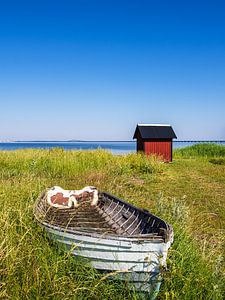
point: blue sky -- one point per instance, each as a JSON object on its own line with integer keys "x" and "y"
{"x": 92, "y": 70}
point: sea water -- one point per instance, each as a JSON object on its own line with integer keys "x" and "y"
{"x": 116, "y": 147}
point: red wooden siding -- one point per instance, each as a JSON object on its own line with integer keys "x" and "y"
{"x": 162, "y": 148}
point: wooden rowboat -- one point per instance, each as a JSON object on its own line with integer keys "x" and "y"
{"x": 114, "y": 235}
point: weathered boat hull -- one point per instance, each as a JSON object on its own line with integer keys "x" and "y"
{"x": 137, "y": 262}
{"x": 136, "y": 259}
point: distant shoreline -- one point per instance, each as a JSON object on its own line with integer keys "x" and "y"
{"x": 131, "y": 141}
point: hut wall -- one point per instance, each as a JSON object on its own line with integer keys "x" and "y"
{"x": 162, "y": 148}
{"x": 140, "y": 145}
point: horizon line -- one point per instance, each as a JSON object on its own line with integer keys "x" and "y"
{"x": 98, "y": 141}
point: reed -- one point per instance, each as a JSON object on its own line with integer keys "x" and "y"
{"x": 202, "y": 149}
{"x": 33, "y": 267}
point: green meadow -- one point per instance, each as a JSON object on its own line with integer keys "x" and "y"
{"x": 188, "y": 193}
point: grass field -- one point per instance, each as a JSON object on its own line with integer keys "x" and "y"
{"x": 189, "y": 193}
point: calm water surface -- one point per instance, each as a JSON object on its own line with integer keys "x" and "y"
{"x": 114, "y": 147}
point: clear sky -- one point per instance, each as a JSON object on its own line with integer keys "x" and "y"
{"x": 92, "y": 70}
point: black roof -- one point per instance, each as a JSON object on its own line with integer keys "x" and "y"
{"x": 154, "y": 131}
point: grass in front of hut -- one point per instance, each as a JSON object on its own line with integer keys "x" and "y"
{"x": 189, "y": 193}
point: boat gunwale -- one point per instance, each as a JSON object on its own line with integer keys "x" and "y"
{"x": 137, "y": 239}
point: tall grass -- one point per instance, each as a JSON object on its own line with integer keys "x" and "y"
{"x": 188, "y": 275}
{"x": 33, "y": 267}
{"x": 202, "y": 149}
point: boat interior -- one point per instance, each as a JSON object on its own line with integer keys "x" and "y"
{"x": 111, "y": 216}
